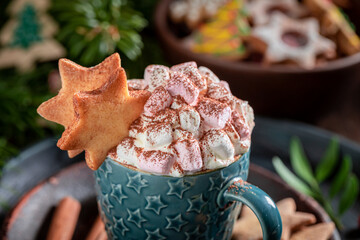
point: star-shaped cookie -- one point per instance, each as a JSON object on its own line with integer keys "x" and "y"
{"x": 248, "y": 226}
{"x": 291, "y": 39}
{"x": 75, "y": 78}
{"x": 261, "y": 10}
{"x": 103, "y": 117}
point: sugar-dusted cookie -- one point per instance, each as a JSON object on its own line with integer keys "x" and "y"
{"x": 261, "y": 10}
{"x": 299, "y": 41}
{"x": 103, "y": 117}
{"x": 74, "y": 78}
{"x": 335, "y": 25}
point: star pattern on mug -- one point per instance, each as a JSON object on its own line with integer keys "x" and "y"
{"x": 120, "y": 226}
{"x": 135, "y": 182}
{"x": 196, "y": 203}
{"x": 211, "y": 218}
{"x": 110, "y": 230}
{"x": 175, "y": 223}
{"x": 155, "y": 235}
{"x": 106, "y": 169}
{"x": 190, "y": 181}
{"x": 154, "y": 203}
{"x": 224, "y": 177}
{"x": 244, "y": 170}
{"x": 213, "y": 183}
{"x": 177, "y": 188}
{"x": 106, "y": 203}
{"x": 135, "y": 217}
{"x": 117, "y": 192}
{"x": 195, "y": 234}
{"x": 97, "y": 177}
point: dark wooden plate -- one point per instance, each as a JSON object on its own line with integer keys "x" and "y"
{"x": 77, "y": 181}
{"x": 270, "y": 138}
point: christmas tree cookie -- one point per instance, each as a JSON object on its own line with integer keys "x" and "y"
{"x": 27, "y": 36}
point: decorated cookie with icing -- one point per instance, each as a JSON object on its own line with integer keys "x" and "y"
{"x": 335, "y": 25}
{"x": 260, "y": 11}
{"x": 299, "y": 41}
{"x": 192, "y": 12}
{"x": 223, "y": 34}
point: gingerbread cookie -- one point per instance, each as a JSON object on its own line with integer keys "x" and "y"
{"x": 28, "y": 37}
{"x": 193, "y": 12}
{"x": 103, "y": 117}
{"x": 260, "y": 11}
{"x": 74, "y": 78}
{"x": 335, "y": 25}
{"x": 296, "y": 224}
{"x": 285, "y": 39}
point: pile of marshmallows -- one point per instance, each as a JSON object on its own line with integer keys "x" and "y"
{"x": 191, "y": 122}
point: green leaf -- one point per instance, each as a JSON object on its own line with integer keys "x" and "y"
{"x": 291, "y": 179}
{"x": 341, "y": 176}
{"x": 300, "y": 163}
{"x": 328, "y": 162}
{"x": 350, "y": 194}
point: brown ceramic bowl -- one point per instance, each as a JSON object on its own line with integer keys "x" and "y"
{"x": 278, "y": 91}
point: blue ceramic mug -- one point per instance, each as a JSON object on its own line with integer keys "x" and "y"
{"x": 139, "y": 205}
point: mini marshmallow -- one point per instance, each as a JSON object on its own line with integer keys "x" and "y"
{"x": 156, "y": 161}
{"x": 209, "y": 75}
{"x": 244, "y": 109}
{"x": 217, "y": 149}
{"x": 181, "y": 85}
{"x": 156, "y": 75}
{"x": 181, "y": 134}
{"x": 136, "y": 84}
{"x": 249, "y": 114}
{"x": 137, "y": 126}
{"x": 190, "y": 70}
{"x": 126, "y": 151}
{"x": 225, "y": 85}
{"x": 216, "y": 91}
{"x": 157, "y": 135}
{"x": 240, "y": 146}
{"x": 179, "y": 67}
{"x": 189, "y": 119}
{"x": 178, "y": 102}
{"x": 214, "y": 113}
{"x": 159, "y": 100}
{"x": 238, "y": 120}
{"x": 168, "y": 116}
{"x": 189, "y": 154}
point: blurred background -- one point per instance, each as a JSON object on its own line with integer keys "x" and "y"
{"x": 36, "y": 34}
{"x": 78, "y": 30}
{"x": 296, "y": 62}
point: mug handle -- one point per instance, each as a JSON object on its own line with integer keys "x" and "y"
{"x": 258, "y": 201}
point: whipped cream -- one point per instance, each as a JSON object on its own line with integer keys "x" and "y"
{"x": 191, "y": 123}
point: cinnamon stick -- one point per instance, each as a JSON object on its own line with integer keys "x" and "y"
{"x": 64, "y": 220}
{"x": 97, "y": 231}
